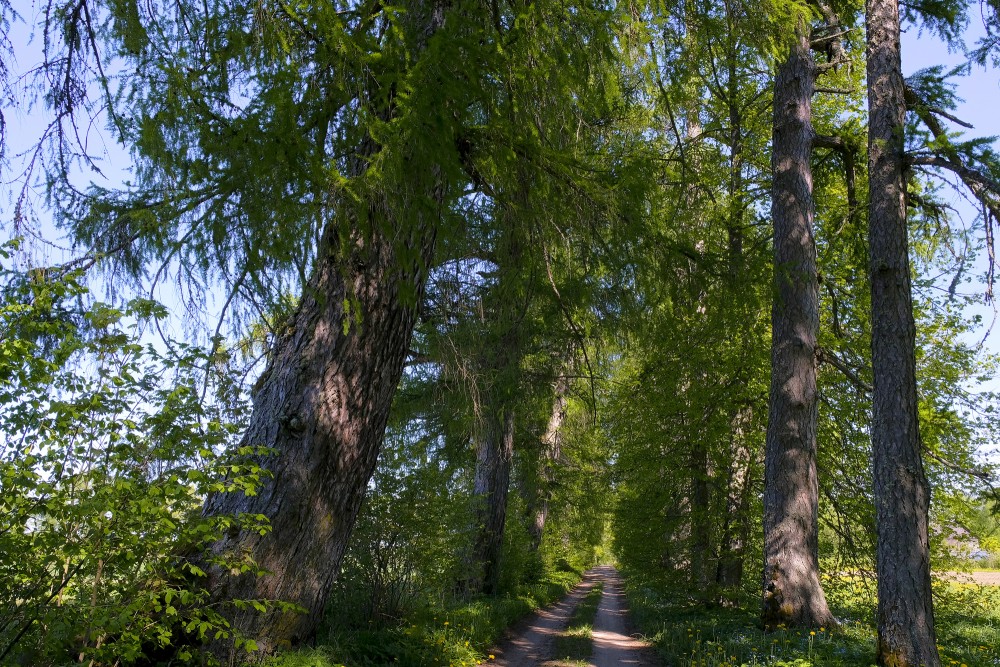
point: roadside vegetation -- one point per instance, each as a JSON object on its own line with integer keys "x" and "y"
{"x": 688, "y": 634}
{"x": 449, "y": 636}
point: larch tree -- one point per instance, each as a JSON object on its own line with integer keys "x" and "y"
{"x": 792, "y": 591}
{"x": 321, "y": 149}
{"x": 906, "y": 635}
{"x": 322, "y": 404}
{"x": 500, "y": 350}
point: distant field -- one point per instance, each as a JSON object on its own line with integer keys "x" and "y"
{"x": 981, "y": 577}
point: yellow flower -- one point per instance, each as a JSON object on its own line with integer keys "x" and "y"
{"x": 446, "y": 622}
{"x": 812, "y": 634}
{"x": 492, "y": 657}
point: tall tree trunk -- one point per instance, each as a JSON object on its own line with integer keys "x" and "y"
{"x": 792, "y": 591}
{"x": 551, "y": 450}
{"x": 322, "y": 403}
{"x": 699, "y": 464}
{"x": 701, "y": 526}
{"x": 493, "y": 460}
{"x": 737, "y": 489}
{"x": 902, "y": 496}
{"x": 736, "y": 522}
{"x": 322, "y": 409}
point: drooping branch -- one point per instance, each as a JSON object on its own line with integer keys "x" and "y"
{"x": 982, "y": 186}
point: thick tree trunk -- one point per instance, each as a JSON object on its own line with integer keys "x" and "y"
{"x": 322, "y": 408}
{"x": 493, "y": 460}
{"x": 322, "y": 403}
{"x": 902, "y": 496}
{"x": 551, "y": 450}
{"x": 792, "y": 591}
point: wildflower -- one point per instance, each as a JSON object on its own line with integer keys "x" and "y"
{"x": 492, "y": 657}
{"x": 812, "y": 633}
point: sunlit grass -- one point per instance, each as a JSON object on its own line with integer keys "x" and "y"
{"x": 576, "y": 642}
{"x": 968, "y": 627}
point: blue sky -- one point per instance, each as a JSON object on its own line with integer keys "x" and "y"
{"x": 980, "y": 92}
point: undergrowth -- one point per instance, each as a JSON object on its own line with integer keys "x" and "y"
{"x": 689, "y": 635}
{"x": 457, "y": 636}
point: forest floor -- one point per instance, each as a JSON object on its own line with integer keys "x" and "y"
{"x": 534, "y": 641}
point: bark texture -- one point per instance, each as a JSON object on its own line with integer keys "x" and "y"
{"x": 905, "y": 615}
{"x": 551, "y": 442}
{"x": 323, "y": 409}
{"x": 501, "y": 351}
{"x": 322, "y": 404}
{"x": 493, "y": 461}
{"x": 792, "y": 591}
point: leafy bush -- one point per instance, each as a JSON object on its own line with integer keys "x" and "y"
{"x": 107, "y": 450}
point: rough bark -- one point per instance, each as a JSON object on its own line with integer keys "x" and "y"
{"x": 737, "y": 489}
{"x": 551, "y": 442}
{"x": 792, "y": 591}
{"x": 323, "y": 409}
{"x": 905, "y": 615}
{"x": 503, "y": 308}
{"x": 493, "y": 460}
{"x": 322, "y": 404}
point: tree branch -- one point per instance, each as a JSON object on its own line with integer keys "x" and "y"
{"x": 983, "y": 187}
{"x": 974, "y": 179}
{"x": 827, "y": 357}
{"x": 848, "y": 153}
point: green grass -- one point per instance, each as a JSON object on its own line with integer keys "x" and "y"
{"x": 968, "y": 624}
{"x": 576, "y": 642}
{"x": 459, "y": 636}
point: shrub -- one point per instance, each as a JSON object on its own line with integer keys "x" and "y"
{"x": 107, "y": 450}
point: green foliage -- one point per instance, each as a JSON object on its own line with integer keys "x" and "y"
{"x": 406, "y": 546}
{"x": 945, "y": 19}
{"x": 107, "y": 453}
{"x": 598, "y": 178}
{"x": 987, "y": 49}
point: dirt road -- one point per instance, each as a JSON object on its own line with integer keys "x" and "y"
{"x": 613, "y": 644}
{"x": 532, "y": 643}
